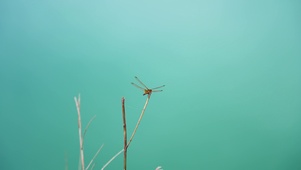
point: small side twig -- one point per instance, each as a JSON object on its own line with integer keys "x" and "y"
{"x": 88, "y": 125}
{"x": 77, "y": 102}
{"x": 92, "y": 166}
{"x": 124, "y": 134}
{"x": 92, "y": 160}
{"x": 112, "y": 159}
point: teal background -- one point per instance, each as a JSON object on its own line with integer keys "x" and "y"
{"x": 232, "y": 72}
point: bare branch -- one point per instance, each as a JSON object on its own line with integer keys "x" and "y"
{"x": 124, "y": 134}
{"x": 141, "y": 115}
{"x": 77, "y": 102}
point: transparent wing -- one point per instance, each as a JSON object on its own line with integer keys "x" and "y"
{"x": 157, "y": 90}
{"x": 141, "y": 82}
{"x": 158, "y": 87}
{"x": 137, "y": 86}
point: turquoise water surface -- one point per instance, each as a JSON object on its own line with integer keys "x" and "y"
{"x": 232, "y": 71}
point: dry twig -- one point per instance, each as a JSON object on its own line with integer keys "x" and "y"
{"x": 132, "y": 136}
{"x": 94, "y": 157}
{"x": 124, "y": 134}
{"x": 140, "y": 118}
{"x": 111, "y": 159}
{"x": 88, "y": 125}
{"x": 126, "y": 144}
{"x": 77, "y": 102}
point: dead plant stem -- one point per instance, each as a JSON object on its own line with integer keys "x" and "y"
{"x": 77, "y": 102}
{"x": 140, "y": 118}
{"x": 124, "y": 133}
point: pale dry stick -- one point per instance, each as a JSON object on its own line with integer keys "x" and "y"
{"x": 79, "y": 167}
{"x": 124, "y": 134}
{"x": 94, "y": 157}
{"x": 86, "y": 129}
{"x": 138, "y": 123}
{"x": 77, "y": 102}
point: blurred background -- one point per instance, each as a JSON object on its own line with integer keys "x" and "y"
{"x": 231, "y": 69}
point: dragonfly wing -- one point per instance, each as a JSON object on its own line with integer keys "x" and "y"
{"x": 141, "y": 82}
{"x": 138, "y": 86}
{"x": 158, "y": 87}
{"x": 157, "y": 90}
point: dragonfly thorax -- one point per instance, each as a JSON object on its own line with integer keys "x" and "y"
{"x": 147, "y": 91}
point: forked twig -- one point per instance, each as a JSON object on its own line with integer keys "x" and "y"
{"x": 77, "y": 102}
{"x": 86, "y": 129}
{"x": 133, "y": 134}
{"x": 126, "y": 144}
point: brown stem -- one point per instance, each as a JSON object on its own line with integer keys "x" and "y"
{"x": 124, "y": 133}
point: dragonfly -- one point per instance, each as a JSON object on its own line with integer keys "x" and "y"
{"x": 145, "y": 88}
